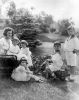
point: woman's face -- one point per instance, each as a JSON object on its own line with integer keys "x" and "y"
{"x": 57, "y": 47}
{"x": 9, "y": 34}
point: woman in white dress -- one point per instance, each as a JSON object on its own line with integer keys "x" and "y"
{"x": 71, "y": 44}
{"x": 5, "y": 41}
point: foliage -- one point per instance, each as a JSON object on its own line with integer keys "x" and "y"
{"x": 63, "y": 26}
{"x": 45, "y": 22}
{"x": 39, "y": 63}
{"x": 23, "y": 23}
{"x": 11, "y": 10}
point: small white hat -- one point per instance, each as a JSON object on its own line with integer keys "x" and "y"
{"x": 15, "y": 38}
{"x": 24, "y": 41}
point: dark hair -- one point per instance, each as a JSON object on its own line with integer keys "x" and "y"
{"x": 57, "y": 44}
{"x": 23, "y": 60}
{"x": 8, "y": 29}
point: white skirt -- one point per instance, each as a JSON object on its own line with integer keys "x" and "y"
{"x": 18, "y": 76}
{"x": 72, "y": 59}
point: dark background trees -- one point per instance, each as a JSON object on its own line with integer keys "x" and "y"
{"x": 28, "y": 26}
{"x": 63, "y": 26}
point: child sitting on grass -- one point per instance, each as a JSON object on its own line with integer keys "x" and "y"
{"x": 22, "y": 72}
{"x": 56, "y": 67}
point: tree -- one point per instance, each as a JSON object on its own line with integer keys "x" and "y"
{"x": 63, "y": 26}
{"x": 23, "y": 22}
{"x": 12, "y": 9}
{"x": 45, "y": 22}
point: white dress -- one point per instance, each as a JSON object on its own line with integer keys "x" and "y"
{"x": 19, "y": 74}
{"x": 4, "y": 45}
{"x": 69, "y": 45}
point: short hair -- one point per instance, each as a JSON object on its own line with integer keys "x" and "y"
{"x": 57, "y": 43}
{"x": 8, "y": 29}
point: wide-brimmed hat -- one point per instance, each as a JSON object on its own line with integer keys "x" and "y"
{"x": 15, "y": 38}
{"x": 24, "y": 41}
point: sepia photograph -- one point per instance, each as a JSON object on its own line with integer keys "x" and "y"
{"x": 39, "y": 50}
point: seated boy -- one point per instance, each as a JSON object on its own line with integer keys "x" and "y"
{"x": 57, "y": 63}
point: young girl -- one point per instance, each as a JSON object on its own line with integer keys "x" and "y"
{"x": 25, "y": 52}
{"x": 14, "y": 48}
{"x": 22, "y": 72}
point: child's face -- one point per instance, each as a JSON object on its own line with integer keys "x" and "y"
{"x": 15, "y": 42}
{"x": 23, "y": 45}
{"x": 24, "y": 63}
{"x": 57, "y": 47}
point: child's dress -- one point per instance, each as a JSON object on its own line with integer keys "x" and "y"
{"x": 20, "y": 74}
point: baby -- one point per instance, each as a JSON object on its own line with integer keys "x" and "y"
{"x": 14, "y": 48}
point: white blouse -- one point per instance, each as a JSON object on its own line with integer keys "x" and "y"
{"x": 20, "y": 74}
{"x": 4, "y": 45}
{"x": 13, "y": 50}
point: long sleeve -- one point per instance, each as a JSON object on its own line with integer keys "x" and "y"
{"x": 13, "y": 50}
{"x": 4, "y": 45}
